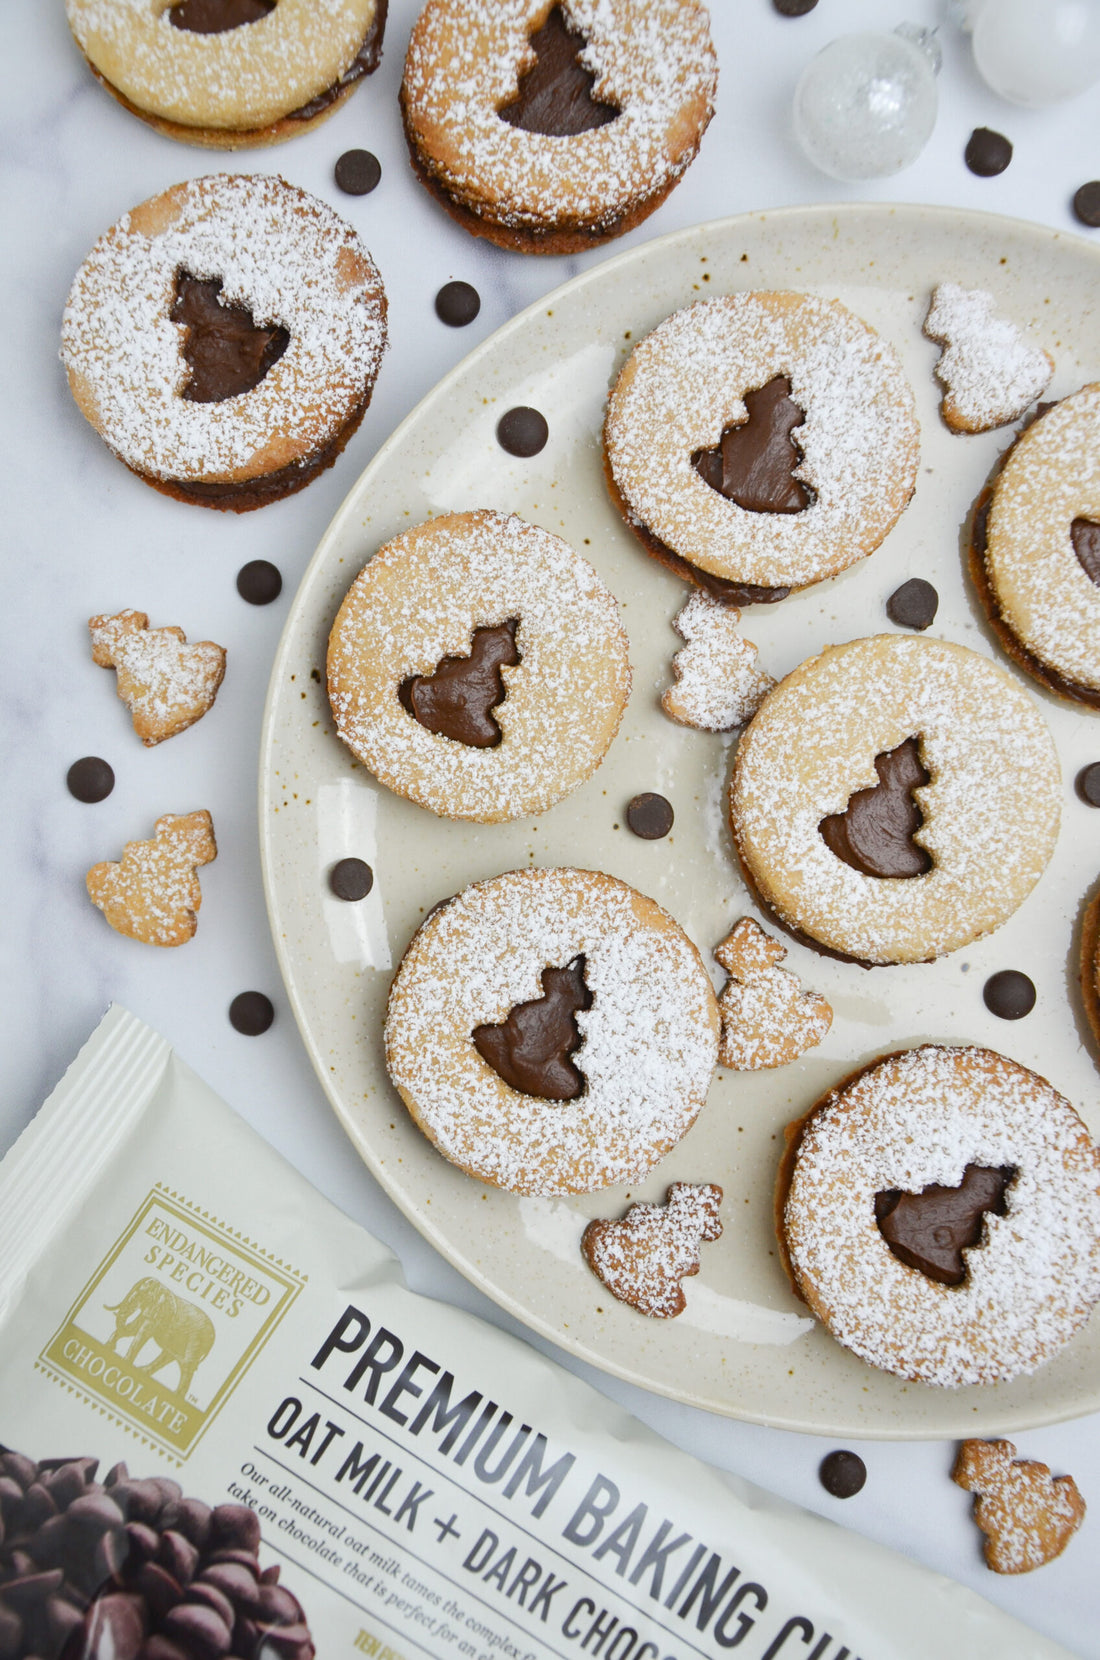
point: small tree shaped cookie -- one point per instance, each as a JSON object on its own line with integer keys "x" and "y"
{"x": 988, "y": 371}
{"x": 167, "y": 684}
{"x": 153, "y": 894}
{"x": 1027, "y": 1516}
{"x": 718, "y": 685}
{"x": 767, "y": 1019}
{"x": 642, "y": 1258}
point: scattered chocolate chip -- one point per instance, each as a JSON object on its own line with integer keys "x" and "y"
{"x": 351, "y": 879}
{"x": 259, "y": 582}
{"x": 357, "y": 172}
{"x": 842, "y": 1474}
{"x": 649, "y": 816}
{"x": 531, "y": 1048}
{"x": 522, "y": 431}
{"x": 987, "y": 152}
{"x": 794, "y": 8}
{"x": 1009, "y": 995}
{"x": 931, "y": 1229}
{"x": 457, "y": 304}
{"x": 874, "y": 833}
{"x": 251, "y": 1013}
{"x": 1086, "y": 204}
{"x": 914, "y": 604}
{"x": 1088, "y": 783}
{"x": 90, "y": 779}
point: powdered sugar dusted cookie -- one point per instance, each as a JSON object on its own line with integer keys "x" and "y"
{"x": 223, "y": 338}
{"x": 153, "y": 894}
{"x": 231, "y": 75}
{"x": 940, "y": 1212}
{"x": 643, "y": 1258}
{"x": 477, "y": 665}
{"x": 759, "y": 442}
{"x": 1035, "y": 548}
{"x": 988, "y": 371}
{"x": 1027, "y": 1516}
{"x": 552, "y": 1031}
{"x": 718, "y": 684}
{"x": 767, "y": 1019}
{"x": 894, "y": 798}
{"x": 551, "y": 128}
{"x": 166, "y": 683}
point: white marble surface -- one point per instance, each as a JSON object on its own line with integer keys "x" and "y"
{"x": 83, "y": 536}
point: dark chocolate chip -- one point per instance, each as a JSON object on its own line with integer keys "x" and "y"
{"x": 90, "y": 779}
{"x": 987, "y": 152}
{"x": 1086, "y": 204}
{"x": 554, "y": 95}
{"x": 251, "y": 1013}
{"x": 457, "y": 304}
{"x": 649, "y": 816}
{"x": 357, "y": 172}
{"x": 1088, "y": 783}
{"x": 522, "y": 431}
{"x": 531, "y": 1048}
{"x": 753, "y": 462}
{"x": 931, "y": 1229}
{"x": 1009, "y": 995}
{"x": 874, "y": 833}
{"x": 351, "y": 879}
{"x": 259, "y": 582}
{"x": 842, "y": 1474}
{"x": 794, "y": 8}
{"x": 914, "y": 604}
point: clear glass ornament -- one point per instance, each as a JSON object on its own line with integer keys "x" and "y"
{"x": 865, "y": 106}
{"x": 1034, "y": 52}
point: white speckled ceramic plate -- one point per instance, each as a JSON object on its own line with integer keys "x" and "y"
{"x": 744, "y": 1345}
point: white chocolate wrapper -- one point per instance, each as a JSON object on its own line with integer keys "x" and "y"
{"x": 175, "y": 1296}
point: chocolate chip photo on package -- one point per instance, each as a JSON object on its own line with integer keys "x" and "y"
{"x": 228, "y": 1429}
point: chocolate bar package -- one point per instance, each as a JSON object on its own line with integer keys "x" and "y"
{"x": 230, "y": 1430}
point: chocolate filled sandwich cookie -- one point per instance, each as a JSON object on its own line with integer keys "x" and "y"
{"x": 895, "y": 798}
{"x": 224, "y": 338}
{"x": 759, "y": 442}
{"x": 1035, "y": 549}
{"x": 478, "y": 667}
{"x": 551, "y": 127}
{"x": 552, "y": 1031}
{"x": 940, "y": 1212}
{"x": 230, "y": 74}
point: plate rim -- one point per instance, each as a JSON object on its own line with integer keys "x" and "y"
{"x": 838, "y": 214}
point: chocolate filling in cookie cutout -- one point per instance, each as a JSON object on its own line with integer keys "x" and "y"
{"x": 753, "y": 462}
{"x": 874, "y": 833}
{"x": 532, "y": 1049}
{"x": 365, "y": 62}
{"x": 1085, "y": 536}
{"x": 458, "y": 698}
{"x": 930, "y": 1230}
{"x": 226, "y": 352}
{"x": 216, "y": 17}
{"x": 554, "y": 96}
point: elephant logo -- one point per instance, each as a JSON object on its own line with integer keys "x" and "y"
{"x": 181, "y": 1331}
